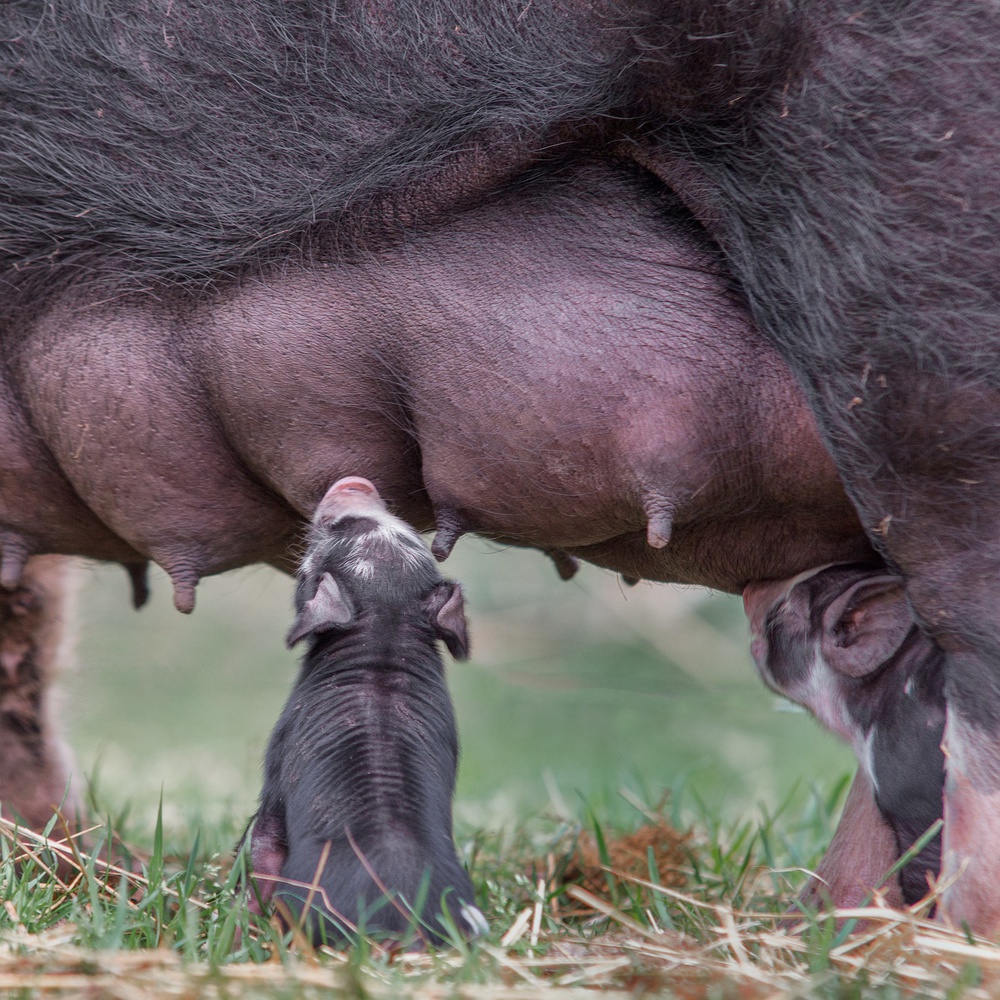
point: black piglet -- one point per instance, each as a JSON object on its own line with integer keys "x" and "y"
{"x": 360, "y": 769}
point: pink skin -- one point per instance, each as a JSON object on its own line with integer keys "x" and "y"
{"x": 863, "y": 849}
{"x": 552, "y": 407}
{"x": 549, "y": 378}
{"x": 758, "y": 599}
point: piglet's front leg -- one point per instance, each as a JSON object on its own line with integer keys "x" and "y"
{"x": 863, "y": 849}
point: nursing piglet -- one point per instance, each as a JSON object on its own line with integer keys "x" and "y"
{"x": 841, "y": 641}
{"x": 360, "y": 769}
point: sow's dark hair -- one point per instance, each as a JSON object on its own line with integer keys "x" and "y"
{"x": 182, "y": 141}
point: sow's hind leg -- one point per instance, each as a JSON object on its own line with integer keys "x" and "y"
{"x": 887, "y": 306}
{"x": 919, "y": 453}
{"x": 35, "y": 765}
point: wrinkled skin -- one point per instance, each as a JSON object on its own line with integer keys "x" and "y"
{"x": 841, "y": 641}
{"x": 360, "y": 769}
{"x": 457, "y": 371}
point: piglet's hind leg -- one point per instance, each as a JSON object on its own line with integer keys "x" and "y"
{"x": 268, "y": 850}
{"x": 862, "y": 850}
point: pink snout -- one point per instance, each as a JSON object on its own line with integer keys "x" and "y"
{"x": 353, "y": 484}
{"x": 352, "y": 493}
{"x": 758, "y": 599}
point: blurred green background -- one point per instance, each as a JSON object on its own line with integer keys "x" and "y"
{"x": 573, "y": 691}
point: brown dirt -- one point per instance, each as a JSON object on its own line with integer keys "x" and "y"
{"x": 629, "y": 855}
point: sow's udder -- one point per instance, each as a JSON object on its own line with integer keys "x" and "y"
{"x": 564, "y": 367}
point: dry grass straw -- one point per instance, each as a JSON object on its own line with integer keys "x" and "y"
{"x": 72, "y": 860}
{"x": 768, "y": 956}
{"x": 570, "y": 940}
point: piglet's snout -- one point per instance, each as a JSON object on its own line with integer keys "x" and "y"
{"x": 353, "y": 484}
{"x": 351, "y": 494}
{"x": 759, "y": 598}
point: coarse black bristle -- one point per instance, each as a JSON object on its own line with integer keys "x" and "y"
{"x": 185, "y": 142}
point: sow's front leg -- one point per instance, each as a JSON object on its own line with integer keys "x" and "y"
{"x": 35, "y": 765}
{"x": 934, "y": 505}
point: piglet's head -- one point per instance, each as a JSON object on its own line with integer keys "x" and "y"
{"x": 364, "y": 565}
{"x": 842, "y": 642}
{"x": 853, "y": 617}
{"x": 816, "y": 634}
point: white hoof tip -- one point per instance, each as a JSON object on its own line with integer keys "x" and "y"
{"x": 475, "y": 921}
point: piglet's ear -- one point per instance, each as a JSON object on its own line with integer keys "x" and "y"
{"x": 865, "y": 626}
{"x": 327, "y": 609}
{"x": 446, "y": 610}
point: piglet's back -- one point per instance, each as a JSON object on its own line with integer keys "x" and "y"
{"x": 361, "y": 767}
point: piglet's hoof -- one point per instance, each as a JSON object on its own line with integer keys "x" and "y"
{"x": 337, "y": 892}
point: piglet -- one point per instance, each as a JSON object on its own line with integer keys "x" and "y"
{"x": 842, "y": 642}
{"x": 360, "y": 769}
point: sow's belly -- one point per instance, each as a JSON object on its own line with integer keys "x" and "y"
{"x": 730, "y": 553}
{"x": 201, "y": 461}
{"x": 181, "y": 494}
{"x": 614, "y": 404}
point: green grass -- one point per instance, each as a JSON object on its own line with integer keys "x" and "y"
{"x": 180, "y": 924}
{"x": 573, "y": 689}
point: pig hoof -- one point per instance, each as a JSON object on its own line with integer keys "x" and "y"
{"x": 475, "y": 921}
